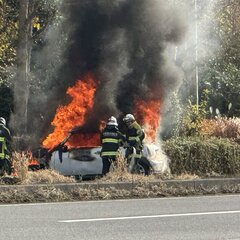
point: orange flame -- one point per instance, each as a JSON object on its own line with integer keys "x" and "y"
{"x": 31, "y": 160}
{"x": 148, "y": 113}
{"x": 74, "y": 114}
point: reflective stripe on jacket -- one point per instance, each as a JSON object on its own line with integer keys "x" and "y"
{"x": 5, "y": 139}
{"x": 2, "y": 147}
{"x": 111, "y": 139}
{"x": 104, "y": 154}
{"x": 134, "y": 135}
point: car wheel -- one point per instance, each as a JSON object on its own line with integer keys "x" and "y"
{"x": 142, "y": 168}
{"x": 78, "y": 178}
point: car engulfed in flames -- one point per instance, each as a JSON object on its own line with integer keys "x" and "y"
{"x": 85, "y": 162}
{"x": 74, "y": 151}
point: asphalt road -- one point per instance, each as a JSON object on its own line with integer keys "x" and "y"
{"x": 206, "y": 217}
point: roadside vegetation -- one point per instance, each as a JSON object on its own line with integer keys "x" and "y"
{"x": 192, "y": 157}
{"x": 203, "y": 144}
{"x": 204, "y": 156}
{"x": 45, "y": 185}
{"x": 201, "y": 140}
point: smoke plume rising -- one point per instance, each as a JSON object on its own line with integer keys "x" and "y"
{"x": 124, "y": 43}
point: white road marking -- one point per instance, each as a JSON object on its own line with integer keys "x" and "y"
{"x": 150, "y": 216}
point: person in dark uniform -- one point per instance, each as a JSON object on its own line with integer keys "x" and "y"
{"x": 111, "y": 139}
{"x": 134, "y": 137}
{"x": 5, "y": 154}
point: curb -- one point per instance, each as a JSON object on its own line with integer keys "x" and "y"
{"x": 217, "y": 183}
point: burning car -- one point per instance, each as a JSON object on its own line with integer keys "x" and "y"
{"x": 117, "y": 68}
{"x": 80, "y": 132}
{"x": 86, "y": 161}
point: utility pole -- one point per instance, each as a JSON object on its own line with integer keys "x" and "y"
{"x": 196, "y": 53}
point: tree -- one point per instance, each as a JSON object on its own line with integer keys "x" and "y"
{"x": 221, "y": 72}
{"x": 21, "y": 85}
{"x": 8, "y": 39}
{"x": 218, "y": 54}
{"x": 34, "y": 16}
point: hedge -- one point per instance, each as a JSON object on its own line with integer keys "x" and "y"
{"x": 203, "y": 155}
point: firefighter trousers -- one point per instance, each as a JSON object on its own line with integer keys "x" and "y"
{"x": 107, "y": 160}
{"x": 130, "y": 153}
{"x": 5, "y": 166}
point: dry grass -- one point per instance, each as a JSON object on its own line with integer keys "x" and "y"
{"x": 54, "y": 194}
{"x": 20, "y": 163}
{"x": 186, "y": 176}
{"x": 119, "y": 173}
{"x": 221, "y": 127}
{"x": 41, "y": 194}
{"x": 47, "y": 176}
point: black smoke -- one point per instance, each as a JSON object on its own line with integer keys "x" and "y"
{"x": 124, "y": 43}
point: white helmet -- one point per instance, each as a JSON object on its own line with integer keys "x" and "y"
{"x": 2, "y": 121}
{"x": 112, "y": 121}
{"x": 129, "y": 118}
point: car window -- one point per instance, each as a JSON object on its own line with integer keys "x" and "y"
{"x": 80, "y": 155}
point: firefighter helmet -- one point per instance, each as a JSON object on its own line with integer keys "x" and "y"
{"x": 128, "y": 119}
{"x": 2, "y": 121}
{"x": 112, "y": 121}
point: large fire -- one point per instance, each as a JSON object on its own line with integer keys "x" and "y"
{"x": 148, "y": 113}
{"x": 74, "y": 114}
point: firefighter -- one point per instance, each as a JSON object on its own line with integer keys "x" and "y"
{"x": 111, "y": 140}
{"x": 5, "y": 140}
{"x": 134, "y": 137}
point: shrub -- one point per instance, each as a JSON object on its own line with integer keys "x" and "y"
{"x": 191, "y": 119}
{"x": 221, "y": 127}
{"x": 203, "y": 156}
